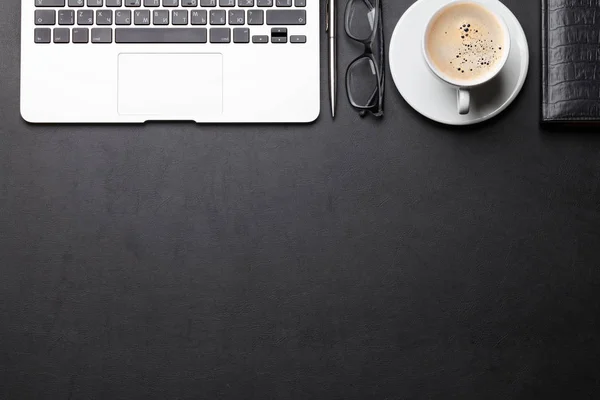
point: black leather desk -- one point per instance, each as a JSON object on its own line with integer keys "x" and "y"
{"x": 349, "y": 260}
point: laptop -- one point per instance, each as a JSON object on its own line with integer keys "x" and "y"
{"x": 132, "y": 61}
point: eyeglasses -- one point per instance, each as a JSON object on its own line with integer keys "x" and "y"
{"x": 365, "y": 76}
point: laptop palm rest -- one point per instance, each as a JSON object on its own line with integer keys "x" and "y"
{"x": 170, "y": 85}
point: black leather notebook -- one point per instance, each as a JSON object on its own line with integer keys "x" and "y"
{"x": 571, "y": 61}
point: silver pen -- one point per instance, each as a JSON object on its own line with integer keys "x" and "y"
{"x": 331, "y": 29}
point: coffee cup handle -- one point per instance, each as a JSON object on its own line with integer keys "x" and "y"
{"x": 464, "y": 101}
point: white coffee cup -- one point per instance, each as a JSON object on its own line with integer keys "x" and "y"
{"x": 463, "y": 87}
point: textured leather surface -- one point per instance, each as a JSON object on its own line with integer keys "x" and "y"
{"x": 346, "y": 260}
{"x": 570, "y": 60}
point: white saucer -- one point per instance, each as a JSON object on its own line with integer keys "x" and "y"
{"x": 436, "y": 100}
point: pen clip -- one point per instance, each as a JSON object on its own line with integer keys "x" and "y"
{"x": 327, "y": 17}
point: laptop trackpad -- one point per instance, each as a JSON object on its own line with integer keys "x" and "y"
{"x": 181, "y": 85}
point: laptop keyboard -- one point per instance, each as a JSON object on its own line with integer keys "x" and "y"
{"x": 167, "y": 21}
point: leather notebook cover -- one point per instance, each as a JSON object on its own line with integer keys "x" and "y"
{"x": 570, "y": 61}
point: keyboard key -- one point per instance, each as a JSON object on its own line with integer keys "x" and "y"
{"x": 260, "y": 39}
{"x": 49, "y": 3}
{"x": 300, "y": 3}
{"x": 85, "y": 17}
{"x": 170, "y": 3}
{"x": 114, "y": 3}
{"x": 217, "y": 17}
{"x": 297, "y": 39}
{"x": 101, "y": 35}
{"x": 76, "y": 3}
{"x": 241, "y": 35}
{"x": 279, "y": 35}
{"x": 256, "y": 17}
{"x": 220, "y": 35}
{"x": 66, "y": 17}
{"x": 141, "y": 17}
{"x": 104, "y": 17}
{"x": 237, "y": 17}
{"x": 45, "y": 17}
{"x": 189, "y": 3}
{"x": 123, "y": 17}
{"x": 284, "y": 3}
{"x": 199, "y": 17}
{"x": 264, "y": 3}
{"x": 180, "y": 17}
{"x": 81, "y": 35}
{"x": 246, "y": 3}
{"x": 208, "y": 3}
{"x": 227, "y": 3}
{"x": 133, "y": 3}
{"x": 94, "y": 3}
{"x": 160, "y": 17}
{"x": 42, "y": 35}
{"x": 286, "y": 17}
{"x": 278, "y": 31}
{"x": 62, "y": 35}
{"x": 160, "y": 35}
{"x": 151, "y": 3}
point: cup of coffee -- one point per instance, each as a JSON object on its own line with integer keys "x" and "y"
{"x": 466, "y": 45}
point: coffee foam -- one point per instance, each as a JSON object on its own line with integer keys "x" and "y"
{"x": 465, "y": 42}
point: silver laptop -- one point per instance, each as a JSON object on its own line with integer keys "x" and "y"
{"x": 132, "y": 61}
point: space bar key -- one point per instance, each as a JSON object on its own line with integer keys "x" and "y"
{"x": 160, "y": 35}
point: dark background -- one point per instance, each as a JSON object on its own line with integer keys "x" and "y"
{"x": 353, "y": 259}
